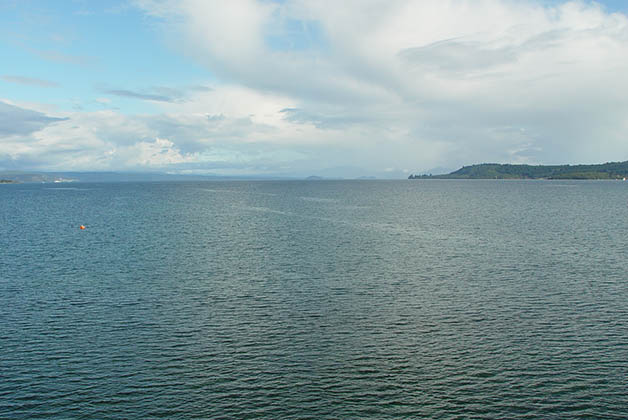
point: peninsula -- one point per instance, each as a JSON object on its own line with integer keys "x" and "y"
{"x": 609, "y": 170}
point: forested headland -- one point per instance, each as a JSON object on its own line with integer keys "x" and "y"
{"x": 610, "y": 170}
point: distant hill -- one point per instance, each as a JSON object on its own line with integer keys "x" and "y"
{"x": 610, "y": 170}
{"x": 17, "y": 177}
{"x": 58, "y": 177}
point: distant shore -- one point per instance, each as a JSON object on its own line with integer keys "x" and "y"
{"x": 609, "y": 171}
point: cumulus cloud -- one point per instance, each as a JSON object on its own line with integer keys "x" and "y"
{"x": 231, "y": 143}
{"x": 383, "y": 85}
{"x": 490, "y": 80}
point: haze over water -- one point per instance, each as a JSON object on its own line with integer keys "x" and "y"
{"x": 326, "y": 300}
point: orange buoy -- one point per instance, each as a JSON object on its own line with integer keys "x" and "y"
{"x": 82, "y": 227}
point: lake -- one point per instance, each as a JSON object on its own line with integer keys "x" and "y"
{"x": 440, "y": 299}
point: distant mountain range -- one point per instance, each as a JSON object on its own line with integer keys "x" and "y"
{"x": 58, "y": 177}
{"x": 610, "y": 170}
{"x": 18, "y": 177}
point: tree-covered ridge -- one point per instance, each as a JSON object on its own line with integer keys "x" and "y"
{"x": 610, "y": 170}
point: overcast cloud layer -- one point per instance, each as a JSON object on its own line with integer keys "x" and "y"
{"x": 352, "y": 88}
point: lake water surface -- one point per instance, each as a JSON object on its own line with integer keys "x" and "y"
{"x": 314, "y": 300}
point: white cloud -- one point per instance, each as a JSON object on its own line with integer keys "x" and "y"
{"x": 377, "y": 84}
{"x": 448, "y": 81}
{"x": 158, "y": 153}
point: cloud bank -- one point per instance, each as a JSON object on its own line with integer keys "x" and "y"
{"x": 19, "y": 122}
{"x": 308, "y": 85}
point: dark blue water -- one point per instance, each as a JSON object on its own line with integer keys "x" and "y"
{"x": 314, "y": 300}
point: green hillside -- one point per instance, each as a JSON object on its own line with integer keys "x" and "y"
{"x": 610, "y": 170}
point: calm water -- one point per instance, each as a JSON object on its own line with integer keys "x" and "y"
{"x": 314, "y": 300}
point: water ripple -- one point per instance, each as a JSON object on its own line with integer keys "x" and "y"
{"x": 380, "y": 300}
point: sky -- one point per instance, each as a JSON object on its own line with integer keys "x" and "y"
{"x": 380, "y": 88}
